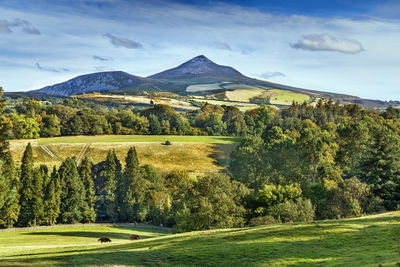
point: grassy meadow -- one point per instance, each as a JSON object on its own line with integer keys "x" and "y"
{"x": 197, "y": 154}
{"x": 366, "y": 241}
{"x": 284, "y": 97}
{"x": 244, "y": 94}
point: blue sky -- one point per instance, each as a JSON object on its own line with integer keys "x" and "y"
{"x": 339, "y": 46}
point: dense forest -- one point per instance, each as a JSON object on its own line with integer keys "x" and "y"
{"x": 300, "y": 163}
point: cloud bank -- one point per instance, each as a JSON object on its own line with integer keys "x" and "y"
{"x": 325, "y": 42}
{"x": 122, "y": 42}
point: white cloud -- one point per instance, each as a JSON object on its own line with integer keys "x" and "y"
{"x": 26, "y": 26}
{"x": 51, "y": 69}
{"x": 122, "y": 42}
{"x": 326, "y": 42}
{"x": 102, "y": 58}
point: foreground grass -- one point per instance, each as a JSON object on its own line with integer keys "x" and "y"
{"x": 368, "y": 241}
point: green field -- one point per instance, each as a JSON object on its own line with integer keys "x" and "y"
{"x": 244, "y": 94}
{"x": 203, "y": 87}
{"x": 367, "y": 241}
{"x": 284, "y": 97}
{"x": 196, "y": 154}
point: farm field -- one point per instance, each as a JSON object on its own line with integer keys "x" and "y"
{"x": 284, "y": 97}
{"x": 244, "y": 94}
{"x": 240, "y": 105}
{"x": 204, "y": 87}
{"x": 366, "y": 241}
{"x": 178, "y": 104}
{"x": 197, "y": 154}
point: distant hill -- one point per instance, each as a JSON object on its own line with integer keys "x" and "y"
{"x": 95, "y": 82}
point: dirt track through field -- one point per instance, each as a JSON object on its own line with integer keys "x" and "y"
{"x": 51, "y": 154}
{"x": 83, "y": 153}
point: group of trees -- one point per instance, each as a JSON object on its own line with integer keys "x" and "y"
{"x": 299, "y": 164}
{"x": 33, "y": 119}
{"x": 108, "y": 192}
{"x": 338, "y": 159}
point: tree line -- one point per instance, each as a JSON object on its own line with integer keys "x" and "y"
{"x": 33, "y": 119}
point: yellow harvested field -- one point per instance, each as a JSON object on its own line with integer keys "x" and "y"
{"x": 244, "y": 95}
{"x": 197, "y": 158}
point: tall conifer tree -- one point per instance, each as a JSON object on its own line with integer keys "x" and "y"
{"x": 52, "y": 199}
{"x": 85, "y": 173}
{"x": 27, "y": 190}
{"x": 133, "y": 194}
{"x": 108, "y": 173}
{"x": 72, "y": 194}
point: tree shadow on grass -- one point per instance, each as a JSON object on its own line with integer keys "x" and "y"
{"x": 221, "y": 154}
{"x": 116, "y": 235}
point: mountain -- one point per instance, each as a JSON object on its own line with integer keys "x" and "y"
{"x": 99, "y": 82}
{"x": 197, "y": 71}
{"x": 199, "y": 68}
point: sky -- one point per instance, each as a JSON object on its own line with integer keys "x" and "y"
{"x": 341, "y": 46}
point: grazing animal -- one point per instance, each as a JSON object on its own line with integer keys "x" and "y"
{"x": 134, "y": 237}
{"x": 104, "y": 239}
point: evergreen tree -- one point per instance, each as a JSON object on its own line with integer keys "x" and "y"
{"x": 39, "y": 178}
{"x": 72, "y": 194}
{"x": 133, "y": 194}
{"x": 85, "y": 173}
{"x": 380, "y": 165}
{"x": 154, "y": 125}
{"x": 9, "y": 197}
{"x": 108, "y": 173}
{"x": 27, "y": 190}
{"x": 52, "y": 200}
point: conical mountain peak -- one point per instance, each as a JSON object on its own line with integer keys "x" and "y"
{"x": 198, "y": 67}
